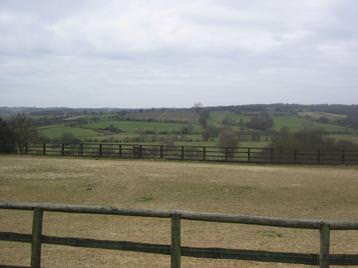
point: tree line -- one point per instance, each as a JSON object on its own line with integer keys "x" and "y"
{"x": 16, "y": 132}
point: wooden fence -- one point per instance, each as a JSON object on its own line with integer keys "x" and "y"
{"x": 198, "y": 153}
{"x": 324, "y": 259}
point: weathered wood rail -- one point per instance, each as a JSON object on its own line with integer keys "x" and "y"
{"x": 262, "y": 155}
{"x": 324, "y": 259}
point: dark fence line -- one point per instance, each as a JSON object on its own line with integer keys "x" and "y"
{"x": 324, "y": 259}
{"x": 262, "y": 155}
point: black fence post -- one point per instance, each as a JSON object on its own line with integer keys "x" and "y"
{"x": 140, "y": 151}
{"x": 100, "y": 150}
{"x": 44, "y": 149}
{"x": 271, "y": 155}
{"x": 204, "y": 153}
{"x": 249, "y": 154}
{"x": 295, "y": 155}
{"x": 343, "y": 156}
{"x": 161, "y": 154}
{"x": 26, "y": 148}
{"x": 182, "y": 153}
{"x": 120, "y": 150}
{"x": 81, "y": 149}
{"x": 318, "y": 156}
{"x": 226, "y": 154}
{"x": 62, "y": 149}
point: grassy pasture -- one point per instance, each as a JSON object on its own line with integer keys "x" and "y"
{"x": 317, "y": 115}
{"x": 138, "y": 126}
{"x": 295, "y": 123}
{"x": 218, "y": 116}
{"x": 140, "y": 131}
{"x": 183, "y": 115}
{"x": 280, "y": 191}
{"x": 57, "y": 131}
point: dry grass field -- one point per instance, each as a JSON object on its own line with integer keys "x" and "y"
{"x": 280, "y": 191}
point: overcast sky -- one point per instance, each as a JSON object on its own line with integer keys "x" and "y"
{"x": 176, "y": 53}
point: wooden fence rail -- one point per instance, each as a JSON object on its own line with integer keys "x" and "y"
{"x": 199, "y": 153}
{"x": 324, "y": 259}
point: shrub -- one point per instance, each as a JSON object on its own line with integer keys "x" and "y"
{"x": 262, "y": 121}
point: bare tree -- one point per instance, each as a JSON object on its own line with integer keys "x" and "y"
{"x": 204, "y": 115}
{"x": 228, "y": 140}
{"x": 23, "y": 129}
{"x": 7, "y": 142}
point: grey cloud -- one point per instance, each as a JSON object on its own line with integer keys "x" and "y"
{"x": 170, "y": 53}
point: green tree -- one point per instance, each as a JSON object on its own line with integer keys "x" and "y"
{"x": 262, "y": 121}
{"x": 304, "y": 140}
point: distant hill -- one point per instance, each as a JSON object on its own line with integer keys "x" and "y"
{"x": 155, "y": 112}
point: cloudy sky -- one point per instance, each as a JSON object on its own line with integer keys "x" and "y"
{"x": 159, "y": 53}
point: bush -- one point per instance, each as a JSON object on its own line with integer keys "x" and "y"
{"x": 188, "y": 129}
{"x": 263, "y": 121}
{"x": 69, "y": 138}
{"x": 227, "y": 138}
{"x": 210, "y": 132}
{"x": 307, "y": 140}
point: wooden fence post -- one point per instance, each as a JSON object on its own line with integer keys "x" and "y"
{"x": 100, "y": 152}
{"x": 44, "y": 149}
{"x": 324, "y": 242}
{"x": 62, "y": 149}
{"x": 36, "y": 238}
{"x": 140, "y": 151}
{"x": 271, "y": 155}
{"x": 226, "y": 154}
{"x": 161, "y": 151}
{"x": 249, "y": 154}
{"x": 175, "y": 249}
{"x": 120, "y": 150}
{"x": 295, "y": 155}
{"x": 81, "y": 149}
{"x": 182, "y": 153}
{"x": 26, "y": 148}
{"x": 204, "y": 153}
{"x": 343, "y": 157}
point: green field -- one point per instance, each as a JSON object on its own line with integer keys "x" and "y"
{"x": 141, "y": 126}
{"x": 57, "y": 131}
{"x": 158, "y": 126}
{"x": 295, "y": 123}
{"x": 217, "y": 117}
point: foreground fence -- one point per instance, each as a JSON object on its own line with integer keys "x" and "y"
{"x": 198, "y": 153}
{"x": 324, "y": 259}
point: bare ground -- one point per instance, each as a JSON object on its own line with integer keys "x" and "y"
{"x": 279, "y": 191}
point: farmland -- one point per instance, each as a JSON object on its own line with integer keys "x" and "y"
{"x": 181, "y": 126}
{"x": 289, "y": 192}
